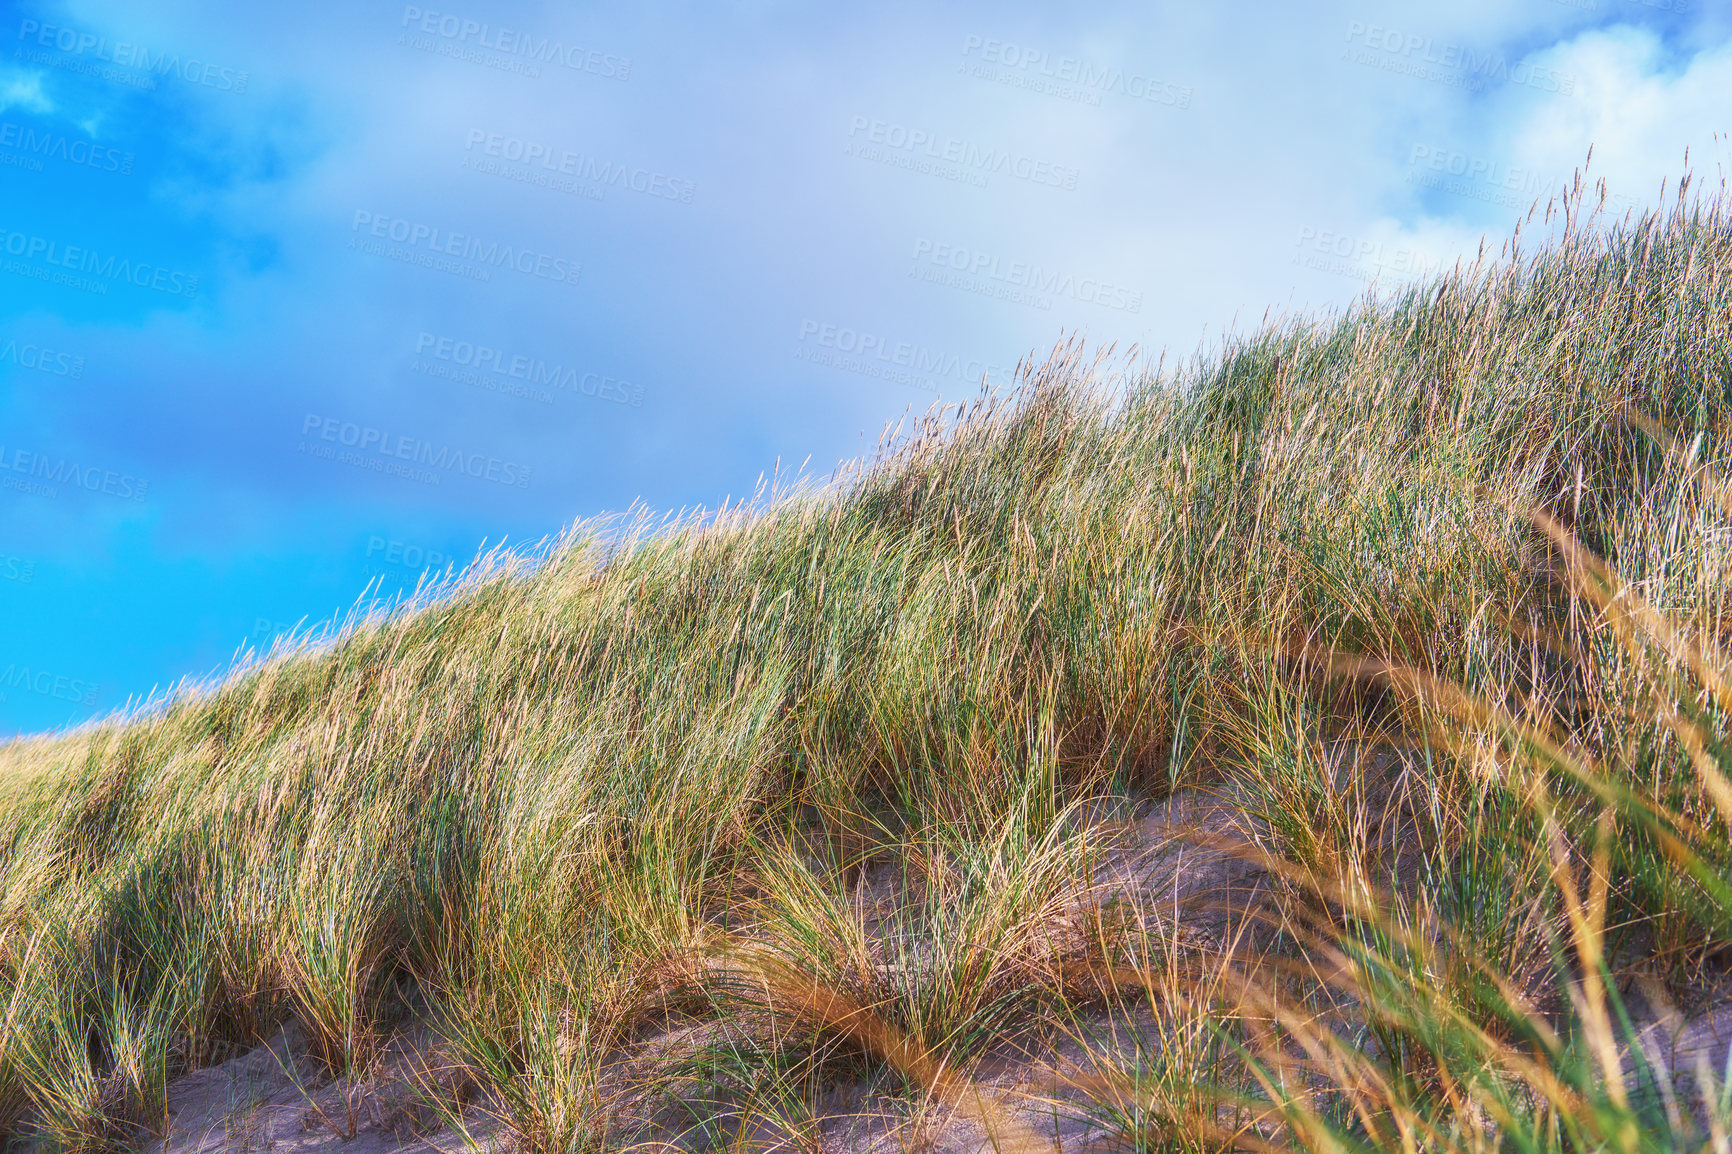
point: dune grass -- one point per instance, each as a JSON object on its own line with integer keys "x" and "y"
{"x": 1434, "y": 590}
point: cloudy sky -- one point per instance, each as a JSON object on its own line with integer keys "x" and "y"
{"x": 294, "y": 298}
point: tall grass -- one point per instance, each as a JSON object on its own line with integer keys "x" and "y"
{"x": 1433, "y": 590}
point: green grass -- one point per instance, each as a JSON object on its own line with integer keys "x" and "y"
{"x": 1437, "y": 589}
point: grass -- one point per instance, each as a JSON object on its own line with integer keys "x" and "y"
{"x": 703, "y": 819}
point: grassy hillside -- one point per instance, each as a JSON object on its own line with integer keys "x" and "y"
{"x": 1434, "y": 592}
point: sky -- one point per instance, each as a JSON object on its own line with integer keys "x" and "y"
{"x": 300, "y": 301}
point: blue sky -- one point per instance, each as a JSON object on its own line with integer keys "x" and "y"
{"x": 298, "y": 297}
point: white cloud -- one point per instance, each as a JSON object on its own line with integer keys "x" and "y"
{"x": 20, "y": 89}
{"x": 1639, "y": 110}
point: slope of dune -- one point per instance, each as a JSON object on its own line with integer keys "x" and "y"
{"x": 1323, "y": 742}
